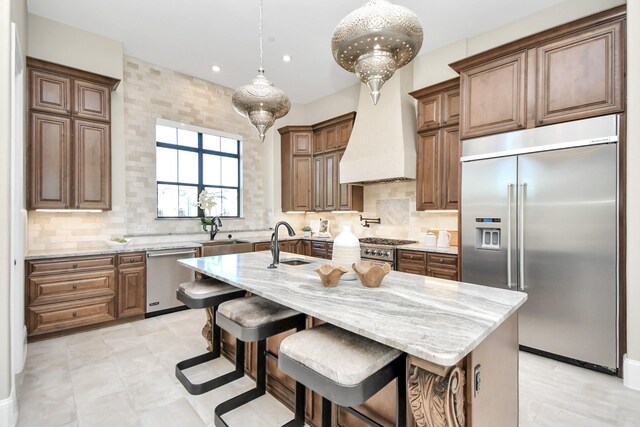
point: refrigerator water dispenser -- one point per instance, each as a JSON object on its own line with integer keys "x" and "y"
{"x": 488, "y": 238}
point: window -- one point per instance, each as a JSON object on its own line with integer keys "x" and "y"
{"x": 190, "y": 160}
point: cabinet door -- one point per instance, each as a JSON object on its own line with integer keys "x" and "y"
{"x": 301, "y": 183}
{"x": 318, "y": 141}
{"x": 331, "y": 138}
{"x": 450, "y": 167}
{"x": 49, "y": 161}
{"x": 427, "y": 195}
{"x": 344, "y": 133}
{"x": 318, "y": 183}
{"x": 131, "y": 291}
{"x": 429, "y": 112}
{"x": 581, "y": 76}
{"x": 92, "y": 177}
{"x": 301, "y": 143}
{"x": 493, "y": 96}
{"x": 49, "y": 92}
{"x": 330, "y": 201}
{"x": 451, "y": 107}
{"x": 91, "y": 101}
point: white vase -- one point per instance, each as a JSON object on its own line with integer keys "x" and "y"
{"x": 346, "y": 251}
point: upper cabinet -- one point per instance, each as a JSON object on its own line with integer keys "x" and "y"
{"x": 295, "y": 163}
{"x": 438, "y": 146}
{"x": 566, "y": 73}
{"x": 310, "y": 167}
{"x": 69, "y": 151}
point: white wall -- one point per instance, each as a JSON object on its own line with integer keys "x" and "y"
{"x": 633, "y": 187}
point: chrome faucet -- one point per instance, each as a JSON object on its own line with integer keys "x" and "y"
{"x": 215, "y": 223}
{"x": 275, "y": 251}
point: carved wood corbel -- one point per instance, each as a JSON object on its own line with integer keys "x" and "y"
{"x": 437, "y": 401}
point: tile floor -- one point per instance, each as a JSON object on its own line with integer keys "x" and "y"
{"x": 124, "y": 376}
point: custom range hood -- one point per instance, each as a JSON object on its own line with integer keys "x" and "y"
{"x": 382, "y": 146}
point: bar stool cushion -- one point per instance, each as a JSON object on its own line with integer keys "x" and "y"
{"x": 206, "y": 292}
{"x": 341, "y": 356}
{"x": 254, "y": 311}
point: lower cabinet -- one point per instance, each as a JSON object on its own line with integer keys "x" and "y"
{"x": 64, "y": 294}
{"x": 131, "y": 285}
{"x": 443, "y": 266}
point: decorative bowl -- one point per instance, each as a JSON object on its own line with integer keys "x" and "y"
{"x": 114, "y": 244}
{"x": 370, "y": 273}
{"x": 330, "y": 274}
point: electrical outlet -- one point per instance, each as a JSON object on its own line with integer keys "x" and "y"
{"x": 476, "y": 380}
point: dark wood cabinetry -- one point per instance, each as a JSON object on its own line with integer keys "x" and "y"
{"x": 310, "y": 165}
{"x": 570, "y": 72}
{"x": 296, "y": 168}
{"x": 70, "y": 294}
{"x": 131, "y": 284}
{"x": 443, "y": 266}
{"x": 438, "y": 146}
{"x": 69, "y": 151}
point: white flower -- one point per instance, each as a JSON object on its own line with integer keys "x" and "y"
{"x": 206, "y": 202}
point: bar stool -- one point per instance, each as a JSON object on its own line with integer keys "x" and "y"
{"x": 344, "y": 368}
{"x": 255, "y": 319}
{"x": 208, "y": 293}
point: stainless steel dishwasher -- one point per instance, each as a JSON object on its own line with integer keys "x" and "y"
{"x": 164, "y": 274}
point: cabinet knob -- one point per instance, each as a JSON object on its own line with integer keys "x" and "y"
{"x": 75, "y": 286}
{"x": 75, "y": 265}
{"x": 441, "y": 260}
{"x": 75, "y": 313}
{"x": 77, "y": 205}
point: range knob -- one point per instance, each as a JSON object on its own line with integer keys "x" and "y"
{"x": 379, "y": 253}
{"x": 367, "y": 251}
{"x": 387, "y": 254}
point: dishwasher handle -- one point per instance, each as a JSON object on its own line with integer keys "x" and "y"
{"x": 163, "y": 254}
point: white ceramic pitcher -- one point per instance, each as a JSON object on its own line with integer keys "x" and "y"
{"x": 444, "y": 238}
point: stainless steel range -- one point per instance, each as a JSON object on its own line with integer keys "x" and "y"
{"x": 380, "y": 249}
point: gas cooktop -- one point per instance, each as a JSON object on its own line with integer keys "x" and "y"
{"x": 384, "y": 242}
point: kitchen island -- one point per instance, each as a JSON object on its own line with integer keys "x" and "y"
{"x": 461, "y": 339}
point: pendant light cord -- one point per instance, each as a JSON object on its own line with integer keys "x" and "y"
{"x": 260, "y": 70}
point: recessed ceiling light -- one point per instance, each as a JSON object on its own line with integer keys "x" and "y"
{"x": 286, "y": 58}
{"x": 215, "y": 69}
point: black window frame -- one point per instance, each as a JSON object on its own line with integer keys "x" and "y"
{"x": 201, "y": 151}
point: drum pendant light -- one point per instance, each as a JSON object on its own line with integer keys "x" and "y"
{"x": 376, "y": 40}
{"x": 261, "y": 102}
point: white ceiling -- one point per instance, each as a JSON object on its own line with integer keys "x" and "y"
{"x": 192, "y": 35}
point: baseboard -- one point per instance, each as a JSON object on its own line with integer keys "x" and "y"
{"x": 631, "y": 369}
{"x": 9, "y": 410}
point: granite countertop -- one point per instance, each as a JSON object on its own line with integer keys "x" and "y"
{"x": 453, "y": 250}
{"x": 436, "y": 320}
{"x": 103, "y": 249}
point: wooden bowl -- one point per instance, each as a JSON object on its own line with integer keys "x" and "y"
{"x": 330, "y": 274}
{"x": 370, "y": 273}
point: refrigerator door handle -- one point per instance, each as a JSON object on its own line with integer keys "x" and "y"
{"x": 523, "y": 187}
{"x": 509, "y": 191}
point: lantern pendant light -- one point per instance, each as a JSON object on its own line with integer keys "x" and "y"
{"x": 376, "y": 40}
{"x": 261, "y": 102}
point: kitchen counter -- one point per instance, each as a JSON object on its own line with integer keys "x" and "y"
{"x": 438, "y": 321}
{"x": 452, "y": 250}
{"x": 108, "y": 250}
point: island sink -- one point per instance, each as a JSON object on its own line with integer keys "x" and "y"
{"x": 295, "y": 262}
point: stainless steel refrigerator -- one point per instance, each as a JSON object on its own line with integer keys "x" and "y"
{"x": 539, "y": 215}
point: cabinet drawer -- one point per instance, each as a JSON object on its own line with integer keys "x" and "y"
{"x": 131, "y": 259}
{"x": 58, "y": 317}
{"x": 442, "y": 273}
{"x": 64, "y": 287}
{"x": 412, "y": 256}
{"x": 71, "y": 265}
{"x": 443, "y": 261}
{"x": 262, "y": 246}
{"x": 412, "y": 267}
